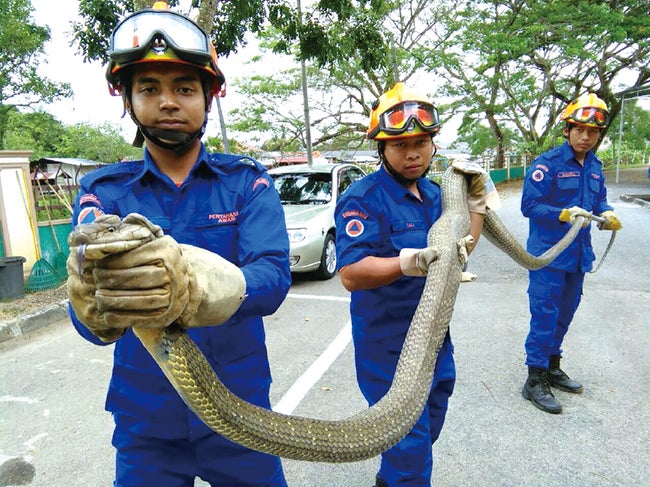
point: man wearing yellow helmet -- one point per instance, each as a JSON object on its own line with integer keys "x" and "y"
{"x": 215, "y": 260}
{"x": 382, "y": 222}
{"x": 560, "y": 185}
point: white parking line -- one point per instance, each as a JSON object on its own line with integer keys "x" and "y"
{"x": 306, "y": 381}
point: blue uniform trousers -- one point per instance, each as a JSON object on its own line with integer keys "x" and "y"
{"x": 554, "y": 296}
{"x": 409, "y": 463}
{"x": 145, "y": 460}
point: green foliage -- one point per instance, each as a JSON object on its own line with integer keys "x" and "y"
{"x": 21, "y": 53}
{"x": 41, "y": 133}
{"x": 215, "y": 144}
{"x": 98, "y": 143}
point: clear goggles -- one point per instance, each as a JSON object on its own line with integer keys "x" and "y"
{"x": 590, "y": 115}
{"x": 135, "y": 35}
{"x": 397, "y": 119}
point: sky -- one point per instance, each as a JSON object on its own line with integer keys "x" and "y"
{"x": 92, "y": 102}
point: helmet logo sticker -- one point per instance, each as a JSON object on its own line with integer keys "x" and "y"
{"x": 159, "y": 46}
{"x": 354, "y": 228}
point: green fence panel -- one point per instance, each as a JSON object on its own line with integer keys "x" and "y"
{"x": 54, "y": 239}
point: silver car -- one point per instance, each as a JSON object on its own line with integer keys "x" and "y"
{"x": 309, "y": 195}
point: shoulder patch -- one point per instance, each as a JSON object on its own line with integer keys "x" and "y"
{"x": 261, "y": 181}
{"x": 537, "y": 175}
{"x": 89, "y": 215}
{"x": 354, "y": 228}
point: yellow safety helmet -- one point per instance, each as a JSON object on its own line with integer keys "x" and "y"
{"x": 402, "y": 112}
{"x": 587, "y": 110}
{"x": 159, "y": 34}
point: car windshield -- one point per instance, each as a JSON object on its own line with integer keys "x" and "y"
{"x": 304, "y": 189}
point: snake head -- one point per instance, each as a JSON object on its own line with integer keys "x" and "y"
{"x": 109, "y": 234}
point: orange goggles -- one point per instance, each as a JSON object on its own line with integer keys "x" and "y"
{"x": 398, "y": 119}
{"x": 590, "y": 115}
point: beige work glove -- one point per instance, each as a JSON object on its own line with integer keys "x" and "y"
{"x": 416, "y": 262}
{"x": 81, "y": 294}
{"x": 570, "y": 214}
{"x": 475, "y": 176}
{"x": 161, "y": 282}
{"x": 612, "y": 223}
{"x": 82, "y": 261}
{"x": 465, "y": 246}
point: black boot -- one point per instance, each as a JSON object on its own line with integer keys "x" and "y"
{"x": 379, "y": 482}
{"x": 557, "y": 377}
{"x": 538, "y": 391}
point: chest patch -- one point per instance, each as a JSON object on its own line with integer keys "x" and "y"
{"x": 568, "y": 174}
{"x": 229, "y": 217}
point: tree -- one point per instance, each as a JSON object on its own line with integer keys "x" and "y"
{"x": 102, "y": 143}
{"x": 344, "y": 79}
{"x": 40, "y": 132}
{"x": 21, "y": 52}
{"x": 518, "y": 63}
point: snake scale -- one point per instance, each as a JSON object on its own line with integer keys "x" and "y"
{"x": 371, "y": 431}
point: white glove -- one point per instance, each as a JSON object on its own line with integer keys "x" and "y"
{"x": 416, "y": 262}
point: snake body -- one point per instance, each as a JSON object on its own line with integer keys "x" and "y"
{"x": 373, "y": 430}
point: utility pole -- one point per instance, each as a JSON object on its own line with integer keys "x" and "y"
{"x": 205, "y": 21}
{"x": 305, "y": 100}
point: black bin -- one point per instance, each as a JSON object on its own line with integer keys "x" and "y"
{"x": 12, "y": 279}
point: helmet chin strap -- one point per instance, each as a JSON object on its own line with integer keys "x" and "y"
{"x": 172, "y": 140}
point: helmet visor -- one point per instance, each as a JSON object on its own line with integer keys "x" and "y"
{"x": 397, "y": 119}
{"x": 135, "y": 35}
{"x": 590, "y": 115}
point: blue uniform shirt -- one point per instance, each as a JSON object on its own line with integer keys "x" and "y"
{"x": 227, "y": 205}
{"x": 376, "y": 216}
{"x": 555, "y": 181}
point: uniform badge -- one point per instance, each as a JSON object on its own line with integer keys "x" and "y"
{"x": 354, "y": 228}
{"x": 538, "y": 175}
{"x": 89, "y": 215}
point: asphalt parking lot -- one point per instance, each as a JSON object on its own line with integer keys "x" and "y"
{"x": 52, "y": 383}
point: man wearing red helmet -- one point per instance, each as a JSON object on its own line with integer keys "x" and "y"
{"x": 382, "y": 223}
{"x": 560, "y": 185}
{"x": 215, "y": 261}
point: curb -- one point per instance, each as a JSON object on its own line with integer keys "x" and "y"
{"x": 33, "y": 321}
{"x": 634, "y": 198}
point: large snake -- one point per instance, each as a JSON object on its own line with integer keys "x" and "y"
{"x": 367, "y": 433}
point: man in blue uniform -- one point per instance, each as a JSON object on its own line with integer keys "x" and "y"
{"x": 225, "y": 239}
{"x": 382, "y": 223}
{"x": 560, "y": 185}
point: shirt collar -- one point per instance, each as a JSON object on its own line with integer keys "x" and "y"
{"x": 393, "y": 186}
{"x": 150, "y": 170}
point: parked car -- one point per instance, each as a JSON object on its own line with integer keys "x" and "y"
{"x": 309, "y": 195}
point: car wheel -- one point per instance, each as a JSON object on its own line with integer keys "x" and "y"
{"x": 327, "y": 267}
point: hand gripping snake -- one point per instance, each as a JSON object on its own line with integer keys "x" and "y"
{"x": 362, "y": 435}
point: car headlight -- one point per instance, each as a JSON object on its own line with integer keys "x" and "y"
{"x": 297, "y": 234}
